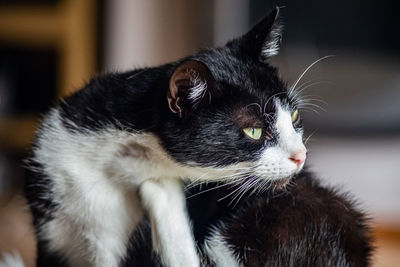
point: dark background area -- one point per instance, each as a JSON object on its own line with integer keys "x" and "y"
{"x": 369, "y": 25}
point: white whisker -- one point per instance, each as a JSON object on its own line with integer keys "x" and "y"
{"x": 301, "y": 89}
{"x": 306, "y": 83}
{"x": 234, "y": 191}
{"x": 243, "y": 190}
{"x": 213, "y": 188}
{"x": 307, "y": 104}
{"x": 292, "y": 88}
{"x": 308, "y": 138}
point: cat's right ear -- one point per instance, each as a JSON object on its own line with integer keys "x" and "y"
{"x": 190, "y": 85}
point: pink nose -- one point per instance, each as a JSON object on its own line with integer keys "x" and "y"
{"x": 299, "y": 157}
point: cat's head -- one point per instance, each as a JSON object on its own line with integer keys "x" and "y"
{"x": 229, "y": 109}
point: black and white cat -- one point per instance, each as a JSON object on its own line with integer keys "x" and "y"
{"x": 119, "y": 149}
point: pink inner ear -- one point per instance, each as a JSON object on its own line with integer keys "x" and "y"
{"x": 189, "y": 83}
{"x": 173, "y": 98}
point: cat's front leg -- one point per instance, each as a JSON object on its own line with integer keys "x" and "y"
{"x": 172, "y": 235}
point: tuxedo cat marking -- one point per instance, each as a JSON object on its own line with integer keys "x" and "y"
{"x": 119, "y": 148}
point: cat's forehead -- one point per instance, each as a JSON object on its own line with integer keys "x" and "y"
{"x": 229, "y": 67}
{"x": 258, "y": 91}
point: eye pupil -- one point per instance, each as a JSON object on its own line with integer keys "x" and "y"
{"x": 253, "y": 133}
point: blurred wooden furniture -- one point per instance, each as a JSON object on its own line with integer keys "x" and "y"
{"x": 69, "y": 27}
{"x": 16, "y": 231}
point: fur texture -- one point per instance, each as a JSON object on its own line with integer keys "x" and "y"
{"x": 304, "y": 224}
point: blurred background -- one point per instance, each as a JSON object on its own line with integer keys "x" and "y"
{"x": 50, "y": 48}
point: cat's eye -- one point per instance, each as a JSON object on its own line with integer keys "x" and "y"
{"x": 253, "y": 133}
{"x": 295, "y": 116}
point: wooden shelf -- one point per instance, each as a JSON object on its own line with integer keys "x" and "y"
{"x": 31, "y": 25}
{"x": 17, "y": 132}
{"x": 68, "y": 28}
{"x": 387, "y": 246}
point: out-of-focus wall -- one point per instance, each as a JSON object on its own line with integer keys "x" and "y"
{"x": 144, "y": 33}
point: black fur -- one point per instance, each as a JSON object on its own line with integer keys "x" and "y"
{"x": 303, "y": 225}
{"x": 307, "y": 226}
{"x": 39, "y": 192}
{"x": 140, "y": 250}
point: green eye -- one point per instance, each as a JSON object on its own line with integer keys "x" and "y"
{"x": 295, "y": 115}
{"x": 254, "y": 133}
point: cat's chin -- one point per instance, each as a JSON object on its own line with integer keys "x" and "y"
{"x": 281, "y": 184}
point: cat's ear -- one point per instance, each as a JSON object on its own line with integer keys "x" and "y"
{"x": 263, "y": 40}
{"x": 190, "y": 85}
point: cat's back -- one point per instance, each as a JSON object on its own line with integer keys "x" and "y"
{"x": 125, "y": 101}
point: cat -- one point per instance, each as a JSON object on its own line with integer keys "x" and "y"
{"x": 118, "y": 149}
{"x": 300, "y": 224}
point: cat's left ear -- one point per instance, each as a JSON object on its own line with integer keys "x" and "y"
{"x": 191, "y": 84}
{"x": 263, "y": 40}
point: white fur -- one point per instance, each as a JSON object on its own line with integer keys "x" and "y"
{"x": 12, "y": 260}
{"x": 96, "y": 214}
{"x": 96, "y": 187}
{"x": 271, "y": 45}
{"x": 170, "y": 225}
{"x": 198, "y": 90}
{"x": 219, "y": 251}
{"x": 275, "y": 161}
